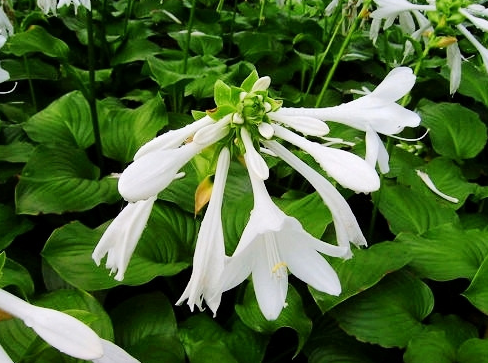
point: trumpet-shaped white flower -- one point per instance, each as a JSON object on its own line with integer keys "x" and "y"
{"x": 390, "y": 9}
{"x": 76, "y": 3}
{"x": 6, "y": 27}
{"x": 120, "y": 239}
{"x": 47, "y": 6}
{"x": 377, "y": 112}
{"x": 347, "y": 168}
{"x": 208, "y": 261}
{"x": 155, "y": 168}
{"x": 346, "y": 225}
{"x": 273, "y": 243}
{"x": 63, "y": 332}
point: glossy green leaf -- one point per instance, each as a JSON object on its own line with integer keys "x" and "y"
{"x": 407, "y": 211}
{"x": 455, "y": 131}
{"x": 362, "y": 271}
{"x": 165, "y": 248}
{"x": 254, "y": 46}
{"x": 16, "y": 152}
{"x": 36, "y": 39}
{"x": 292, "y": 316}
{"x": 30, "y": 68}
{"x": 151, "y": 314}
{"x": 388, "y": 314}
{"x": 477, "y": 292}
{"x": 123, "y": 131}
{"x": 245, "y": 345}
{"x": 16, "y": 275}
{"x": 66, "y": 121}
{"x": 472, "y": 84}
{"x": 473, "y": 351}
{"x": 430, "y": 347}
{"x": 57, "y": 180}
{"x": 11, "y": 225}
{"x": 200, "y": 43}
{"x": 446, "y": 252}
{"x": 135, "y": 50}
{"x": 158, "y": 348}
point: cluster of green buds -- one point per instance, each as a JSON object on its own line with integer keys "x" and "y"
{"x": 247, "y": 106}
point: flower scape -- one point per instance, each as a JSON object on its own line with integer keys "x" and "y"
{"x": 245, "y": 125}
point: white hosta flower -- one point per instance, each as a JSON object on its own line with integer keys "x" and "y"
{"x": 208, "y": 261}
{"x": 47, "y": 6}
{"x": 63, "y": 332}
{"x": 347, "y": 168}
{"x": 377, "y": 112}
{"x": 273, "y": 243}
{"x": 120, "y": 239}
{"x": 254, "y": 160}
{"x": 346, "y": 225}
{"x": 6, "y": 27}
{"x": 155, "y": 168}
{"x": 390, "y": 9}
{"x": 76, "y": 4}
{"x": 479, "y": 47}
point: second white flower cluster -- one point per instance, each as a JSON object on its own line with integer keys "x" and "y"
{"x": 246, "y": 123}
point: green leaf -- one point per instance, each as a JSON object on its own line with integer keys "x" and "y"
{"x": 157, "y": 349}
{"x": 254, "y": 46}
{"x": 66, "y": 121}
{"x": 16, "y": 275}
{"x": 16, "y": 152}
{"x": 56, "y": 181}
{"x": 247, "y": 84}
{"x": 165, "y": 248}
{"x": 200, "y": 43}
{"x": 30, "y": 68}
{"x": 167, "y": 73}
{"x": 292, "y": 316}
{"x": 472, "y": 84}
{"x": 11, "y": 225}
{"x": 243, "y": 344}
{"x": 2, "y": 263}
{"x": 430, "y": 347}
{"x": 477, "y": 292}
{"x": 388, "y": 314}
{"x": 473, "y": 351}
{"x": 447, "y": 177}
{"x": 135, "y": 50}
{"x": 36, "y": 39}
{"x": 123, "y": 131}
{"x": 446, "y": 252}
{"x": 142, "y": 316}
{"x": 362, "y": 271}
{"x": 455, "y": 131}
{"x": 408, "y": 211}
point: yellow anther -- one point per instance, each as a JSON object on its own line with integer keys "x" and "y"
{"x": 278, "y": 266}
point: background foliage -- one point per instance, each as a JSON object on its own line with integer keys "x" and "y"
{"x": 418, "y": 294}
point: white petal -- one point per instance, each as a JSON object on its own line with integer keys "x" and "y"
{"x": 348, "y": 169}
{"x": 254, "y": 160}
{"x": 208, "y": 260}
{"x": 262, "y": 84}
{"x": 266, "y": 130}
{"x": 454, "y": 62}
{"x": 120, "y": 239}
{"x": 304, "y": 124}
{"x": 174, "y": 138}
{"x": 210, "y": 134}
{"x": 479, "y": 47}
{"x": 346, "y": 225}
{"x": 270, "y": 288}
{"x": 372, "y": 147}
{"x": 477, "y": 22}
{"x": 310, "y": 267}
{"x": 152, "y": 172}
{"x": 430, "y": 184}
{"x": 396, "y": 84}
{"x": 114, "y": 354}
{"x": 62, "y": 331}
{"x": 4, "y": 75}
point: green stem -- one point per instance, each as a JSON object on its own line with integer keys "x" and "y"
{"x": 339, "y": 55}
{"x": 128, "y": 12}
{"x": 261, "y": 13}
{"x": 189, "y": 28}
{"x": 31, "y": 85}
{"x": 324, "y": 55}
{"x": 91, "y": 92}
